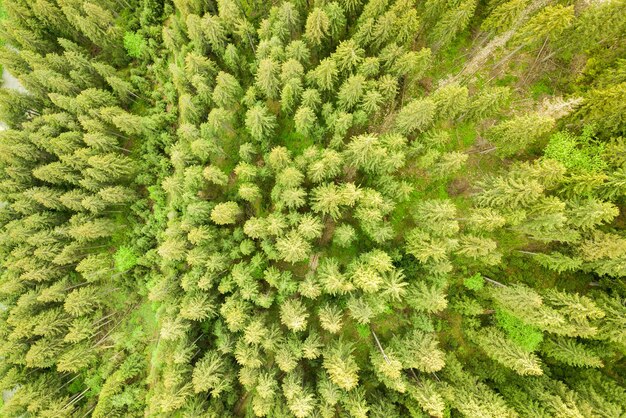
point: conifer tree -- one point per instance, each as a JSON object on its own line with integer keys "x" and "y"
{"x": 293, "y": 247}
{"x": 417, "y": 115}
{"x": 340, "y": 365}
{"x": 259, "y": 122}
{"x": 317, "y": 26}
{"x": 294, "y": 315}
{"x": 225, "y": 213}
{"x": 227, "y": 90}
{"x": 518, "y": 133}
{"x": 499, "y": 349}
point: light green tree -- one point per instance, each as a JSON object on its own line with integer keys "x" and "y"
{"x": 325, "y": 74}
{"x": 304, "y": 120}
{"x": 293, "y": 248}
{"x": 341, "y": 366}
{"x": 331, "y": 318}
{"x": 317, "y": 26}
{"x": 514, "y": 135}
{"x": 351, "y": 92}
{"x": 259, "y": 122}
{"x": 497, "y": 347}
{"x": 225, "y": 213}
{"x": 293, "y": 314}
{"x": 268, "y": 78}
{"x": 417, "y": 115}
{"x": 227, "y": 90}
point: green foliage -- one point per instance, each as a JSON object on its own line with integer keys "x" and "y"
{"x": 135, "y": 44}
{"x": 577, "y": 153}
{"x": 363, "y": 330}
{"x": 475, "y": 282}
{"x": 526, "y": 336}
{"x": 125, "y": 259}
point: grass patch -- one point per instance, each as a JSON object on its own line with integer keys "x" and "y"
{"x": 540, "y": 88}
{"x": 465, "y": 134}
{"x": 507, "y": 81}
{"x": 452, "y": 59}
{"x": 296, "y": 143}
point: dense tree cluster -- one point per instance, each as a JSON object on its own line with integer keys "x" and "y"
{"x": 220, "y": 208}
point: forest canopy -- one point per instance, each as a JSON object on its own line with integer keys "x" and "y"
{"x": 326, "y": 209}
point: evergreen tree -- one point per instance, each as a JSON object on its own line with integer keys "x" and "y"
{"x": 317, "y": 26}
{"x": 518, "y": 133}
{"x": 259, "y": 122}
{"x": 293, "y": 315}
{"x": 227, "y": 91}
{"x": 225, "y": 213}
{"x": 496, "y": 346}
{"x": 416, "y": 115}
{"x": 341, "y": 366}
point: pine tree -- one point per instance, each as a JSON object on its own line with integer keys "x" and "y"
{"x": 450, "y": 100}
{"x": 605, "y": 253}
{"x": 548, "y": 23}
{"x": 304, "y": 120}
{"x": 341, "y": 366}
{"x": 77, "y": 358}
{"x": 413, "y": 64}
{"x": 325, "y": 74}
{"x": 518, "y": 133}
{"x": 299, "y": 400}
{"x": 111, "y": 165}
{"x": 225, "y": 213}
{"x": 348, "y": 56}
{"x": 427, "y": 248}
{"x": 419, "y": 350}
{"x": 249, "y": 192}
{"x": 267, "y": 78}
{"x": 498, "y": 348}
{"x": 227, "y": 91}
{"x": 603, "y": 107}
{"x": 317, "y": 26}
{"x": 294, "y": 315}
{"x": 197, "y": 307}
{"x": 571, "y": 352}
{"x": 214, "y": 31}
{"x": 512, "y": 191}
{"x": 394, "y": 286}
{"x": 310, "y": 227}
{"x": 290, "y": 95}
{"x": 327, "y": 199}
{"x": 291, "y": 69}
{"x": 427, "y": 396}
{"x": 344, "y": 235}
{"x": 215, "y": 175}
{"x": 558, "y": 262}
{"x": 478, "y": 248}
{"x": 293, "y": 248}
{"x": 417, "y": 115}
{"x": 211, "y": 374}
{"x": 452, "y": 22}
{"x": 259, "y": 122}
{"x": 488, "y": 102}
{"x": 83, "y": 229}
{"x": 332, "y": 279}
{"x": 426, "y": 298}
{"x": 330, "y": 318}
{"x": 351, "y": 92}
